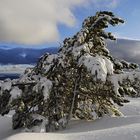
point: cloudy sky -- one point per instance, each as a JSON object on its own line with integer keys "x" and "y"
{"x": 36, "y": 22}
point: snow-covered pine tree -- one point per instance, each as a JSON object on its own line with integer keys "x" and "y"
{"x": 82, "y": 81}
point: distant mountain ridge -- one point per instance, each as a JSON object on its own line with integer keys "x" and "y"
{"x": 23, "y": 55}
{"x": 122, "y": 48}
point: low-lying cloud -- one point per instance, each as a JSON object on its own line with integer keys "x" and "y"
{"x": 36, "y": 21}
{"x": 14, "y": 68}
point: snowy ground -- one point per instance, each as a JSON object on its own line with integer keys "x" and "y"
{"x": 115, "y": 128}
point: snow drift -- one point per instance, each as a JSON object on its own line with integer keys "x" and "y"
{"x": 126, "y": 127}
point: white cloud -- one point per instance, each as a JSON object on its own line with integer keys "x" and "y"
{"x": 20, "y": 68}
{"x": 36, "y": 21}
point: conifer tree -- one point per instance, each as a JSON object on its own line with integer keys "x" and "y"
{"x": 82, "y": 81}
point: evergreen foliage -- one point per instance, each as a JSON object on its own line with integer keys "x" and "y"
{"x": 82, "y": 81}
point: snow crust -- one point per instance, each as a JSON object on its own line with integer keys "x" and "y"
{"x": 118, "y": 78}
{"x": 76, "y": 50}
{"x": 99, "y": 66}
{"x": 15, "y": 92}
{"x": 49, "y": 61}
{"x": 6, "y": 85}
{"x": 45, "y": 85}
